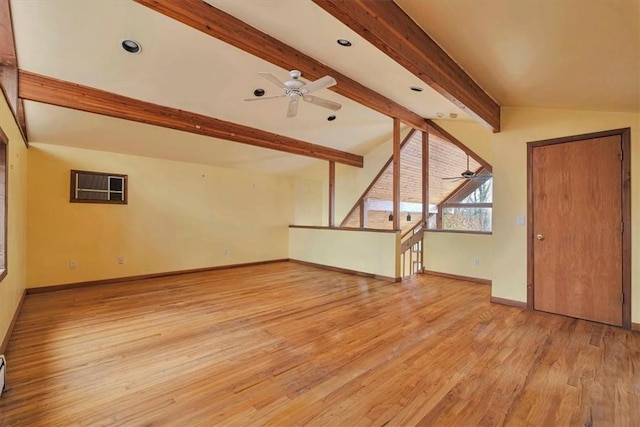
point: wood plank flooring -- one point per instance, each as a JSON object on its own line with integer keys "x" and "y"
{"x": 287, "y": 344}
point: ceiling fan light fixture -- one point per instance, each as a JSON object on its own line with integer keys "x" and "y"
{"x": 344, "y": 43}
{"x": 296, "y": 90}
{"x": 131, "y": 46}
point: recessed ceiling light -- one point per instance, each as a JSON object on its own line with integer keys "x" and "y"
{"x": 131, "y": 46}
{"x": 416, "y": 88}
{"x": 258, "y": 92}
{"x": 331, "y": 118}
{"x": 344, "y": 42}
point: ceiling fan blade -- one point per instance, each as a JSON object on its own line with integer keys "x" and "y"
{"x": 457, "y": 178}
{"x": 273, "y": 80}
{"x": 265, "y": 97}
{"x": 321, "y": 83}
{"x": 293, "y": 108}
{"x": 321, "y": 102}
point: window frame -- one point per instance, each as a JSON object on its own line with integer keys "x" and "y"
{"x": 454, "y": 200}
{"x": 4, "y": 146}
{"x": 125, "y": 190}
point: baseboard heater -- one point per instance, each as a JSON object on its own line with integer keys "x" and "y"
{"x": 3, "y": 368}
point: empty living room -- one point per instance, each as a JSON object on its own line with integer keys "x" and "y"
{"x": 319, "y": 212}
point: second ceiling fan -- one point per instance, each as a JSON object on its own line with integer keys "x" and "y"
{"x": 469, "y": 174}
{"x": 297, "y": 89}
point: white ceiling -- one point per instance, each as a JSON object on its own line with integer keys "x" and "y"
{"x": 580, "y": 54}
{"x": 178, "y": 67}
{"x": 576, "y": 54}
{"x": 308, "y": 28}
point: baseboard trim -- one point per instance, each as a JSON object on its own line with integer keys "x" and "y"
{"x": 458, "y": 277}
{"x": 509, "y": 302}
{"x": 5, "y": 341}
{"x": 54, "y": 288}
{"x": 348, "y": 271}
{"x": 635, "y": 327}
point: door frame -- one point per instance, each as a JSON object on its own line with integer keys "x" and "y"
{"x": 625, "y": 134}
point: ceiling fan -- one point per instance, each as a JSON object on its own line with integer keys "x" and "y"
{"x": 297, "y": 89}
{"x": 469, "y": 174}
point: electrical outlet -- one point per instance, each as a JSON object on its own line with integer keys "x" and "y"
{"x": 476, "y": 261}
{"x": 120, "y": 260}
{"x": 73, "y": 264}
{"x": 225, "y": 251}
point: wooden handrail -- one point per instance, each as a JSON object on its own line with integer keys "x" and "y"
{"x": 413, "y": 228}
{"x": 411, "y": 241}
{"x": 324, "y": 227}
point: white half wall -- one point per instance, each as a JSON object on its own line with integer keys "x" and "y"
{"x": 368, "y": 252}
{"x": 455, "y": 253}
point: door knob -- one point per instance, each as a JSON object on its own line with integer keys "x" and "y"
{"x": 539, "y": 237}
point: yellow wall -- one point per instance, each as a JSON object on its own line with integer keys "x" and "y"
{"x": 509, "y": 159}
{"x": 12, "y": 287}
{"x": 363, "y": 251}
{"x": 308, "y": 207}
{"x": 454, "y": 253}
{"x": 472, "y": 134}
{"x": 180, "y": 216}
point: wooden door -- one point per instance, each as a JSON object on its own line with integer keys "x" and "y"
{"x": 577, "y": 241}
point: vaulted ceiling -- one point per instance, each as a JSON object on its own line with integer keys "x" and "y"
{"x": 520, "y": 54}
{"x": 575, "y": 54}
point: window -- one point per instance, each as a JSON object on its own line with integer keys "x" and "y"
{"x": 471, "y": 210}
{"x": 3, "y": 203}
{"x": 98, "y": 187}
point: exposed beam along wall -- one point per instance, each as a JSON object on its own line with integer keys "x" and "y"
{"x": 332, "y": 194}
{"x": 219, "y": 24}
{"x": 425, "y": 178}
{"x": 396, "y": 174}
{"x": 7, "y": 42}
{"x": 35, "y": 87}
{"x": 385, "y": 25}
{"x": 9, "y": 67}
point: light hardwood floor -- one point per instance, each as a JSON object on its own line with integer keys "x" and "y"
{"x": 286, "y": 344}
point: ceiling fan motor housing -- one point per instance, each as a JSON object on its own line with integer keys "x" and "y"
{"x": 296, "y": 89}
{"x": 294, "y": 83}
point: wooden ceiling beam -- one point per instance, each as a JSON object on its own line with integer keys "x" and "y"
{"x": 7, "y": 43}
{"x": 9, "y": 67}
{"x": 385, "y": 25}
{"x": 39, "y": 88}
{"x": 219, "y": 24}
